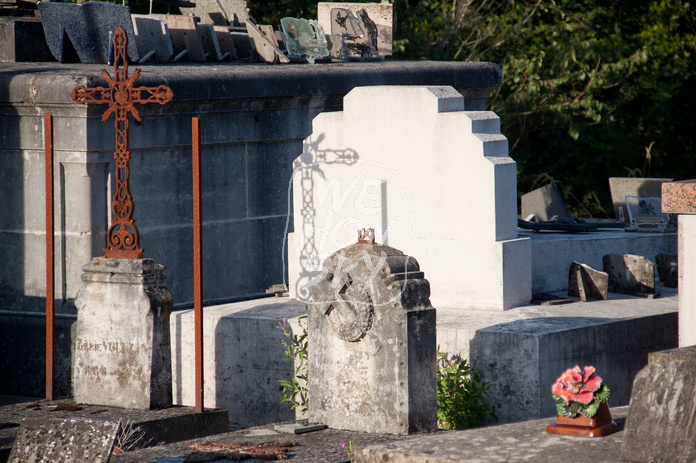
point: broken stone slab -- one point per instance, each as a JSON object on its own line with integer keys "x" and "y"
{"x": 661, "y": 413}
{"x": 630, "y": 274}
{"x": 543, "y": 203}
{"x": 64, "y": 441}
{"x": 668, "y": 269}
{"x": 587, "y": 283}
{"x": 185, "y": 36}
{"x": 80, "y": 31}
{"x": 23, "y": 39}
{"x": 152, "y": 33}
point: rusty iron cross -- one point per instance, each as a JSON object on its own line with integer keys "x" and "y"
{"x": 123, "y": 239}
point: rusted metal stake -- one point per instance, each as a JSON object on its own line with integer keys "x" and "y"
{"x": 50, "y": 275}
{"x": 197, "y": 262}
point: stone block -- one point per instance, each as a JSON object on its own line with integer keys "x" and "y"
{"x": 242, "y": 357}
{"x": 630, "y": 274}
{"x": 629, "y": 186}
{"x": 68, "y": 440}
{"x": 587, "y": 283}
{"x": 210, "y": 42}
{"x": 371, "y": 331}
{"x": 679, "y": 197}
{"x": 81, "y": 30}
{"x": 185, "y": 36}
{"x": 152, "y": 33}
{"x": 121, "y": 349}
{"x": 544, "y": 203}
{"x": 225, "y": 41}
{"x": 380, "y": 13}
{"x": 668, "y": 269}
{"x": 522, "y": 354}
{"x": 663, "y": 404}
{"x": 23, "y": 39}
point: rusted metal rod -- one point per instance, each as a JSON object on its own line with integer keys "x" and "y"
{"x": 197, "y": 262}
{"x": 50, "y": 274}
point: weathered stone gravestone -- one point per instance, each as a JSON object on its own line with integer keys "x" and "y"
{"x": 81, "y": 30}
{"x": 64, "y": 441}
{"x": 371, "y": 329}
{"x": 660, "y": 425}
{"x": 185, "y": 35}
{"x": 385, "y": 162}
{"x": 152, "y": 33}
{"x": 121, "y": 351}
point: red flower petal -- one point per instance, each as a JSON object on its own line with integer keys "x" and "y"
{"x": 585, "y": 397}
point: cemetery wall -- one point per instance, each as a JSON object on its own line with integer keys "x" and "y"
{"x": 253, "y": 119}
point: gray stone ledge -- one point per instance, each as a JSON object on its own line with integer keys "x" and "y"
{"x": 52, "y": 83}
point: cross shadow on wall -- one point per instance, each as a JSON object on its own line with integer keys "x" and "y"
{"x": 311, "y": 163}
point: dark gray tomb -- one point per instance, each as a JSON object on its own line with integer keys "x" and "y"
{"x": 80, "y": 31}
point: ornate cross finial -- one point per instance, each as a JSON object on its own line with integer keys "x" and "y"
{"x": 123, "y": 239}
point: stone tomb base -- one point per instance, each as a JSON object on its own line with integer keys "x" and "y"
{"x": 121, "y": 347}
{"x": 173, "y": 424}
{"x": 520, "y": 351}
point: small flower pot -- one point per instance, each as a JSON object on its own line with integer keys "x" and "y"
{"x": 599, "y": 425}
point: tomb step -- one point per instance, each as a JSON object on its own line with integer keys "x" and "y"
{"x": 526, "y": 441}
{"x": 484, "y": 121}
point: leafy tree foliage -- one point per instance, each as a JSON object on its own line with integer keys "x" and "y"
{"x": 592, "y": 88}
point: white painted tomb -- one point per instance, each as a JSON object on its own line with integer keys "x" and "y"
{"x": 429, "y": 177}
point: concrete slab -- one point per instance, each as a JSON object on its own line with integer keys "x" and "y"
{"x": 522, "y": 351}
{"x": 517, "y": 442}
{"x": 64, "y": 440}
{"x": 159, "y": 426}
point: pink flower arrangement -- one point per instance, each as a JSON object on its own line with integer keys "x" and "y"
{"x": 579, "y": 391}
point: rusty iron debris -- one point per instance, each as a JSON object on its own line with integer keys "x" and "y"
{"x": 123, "y": 239}
{"x": 366, "y": 236}
{"x": 211, "y": 451}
